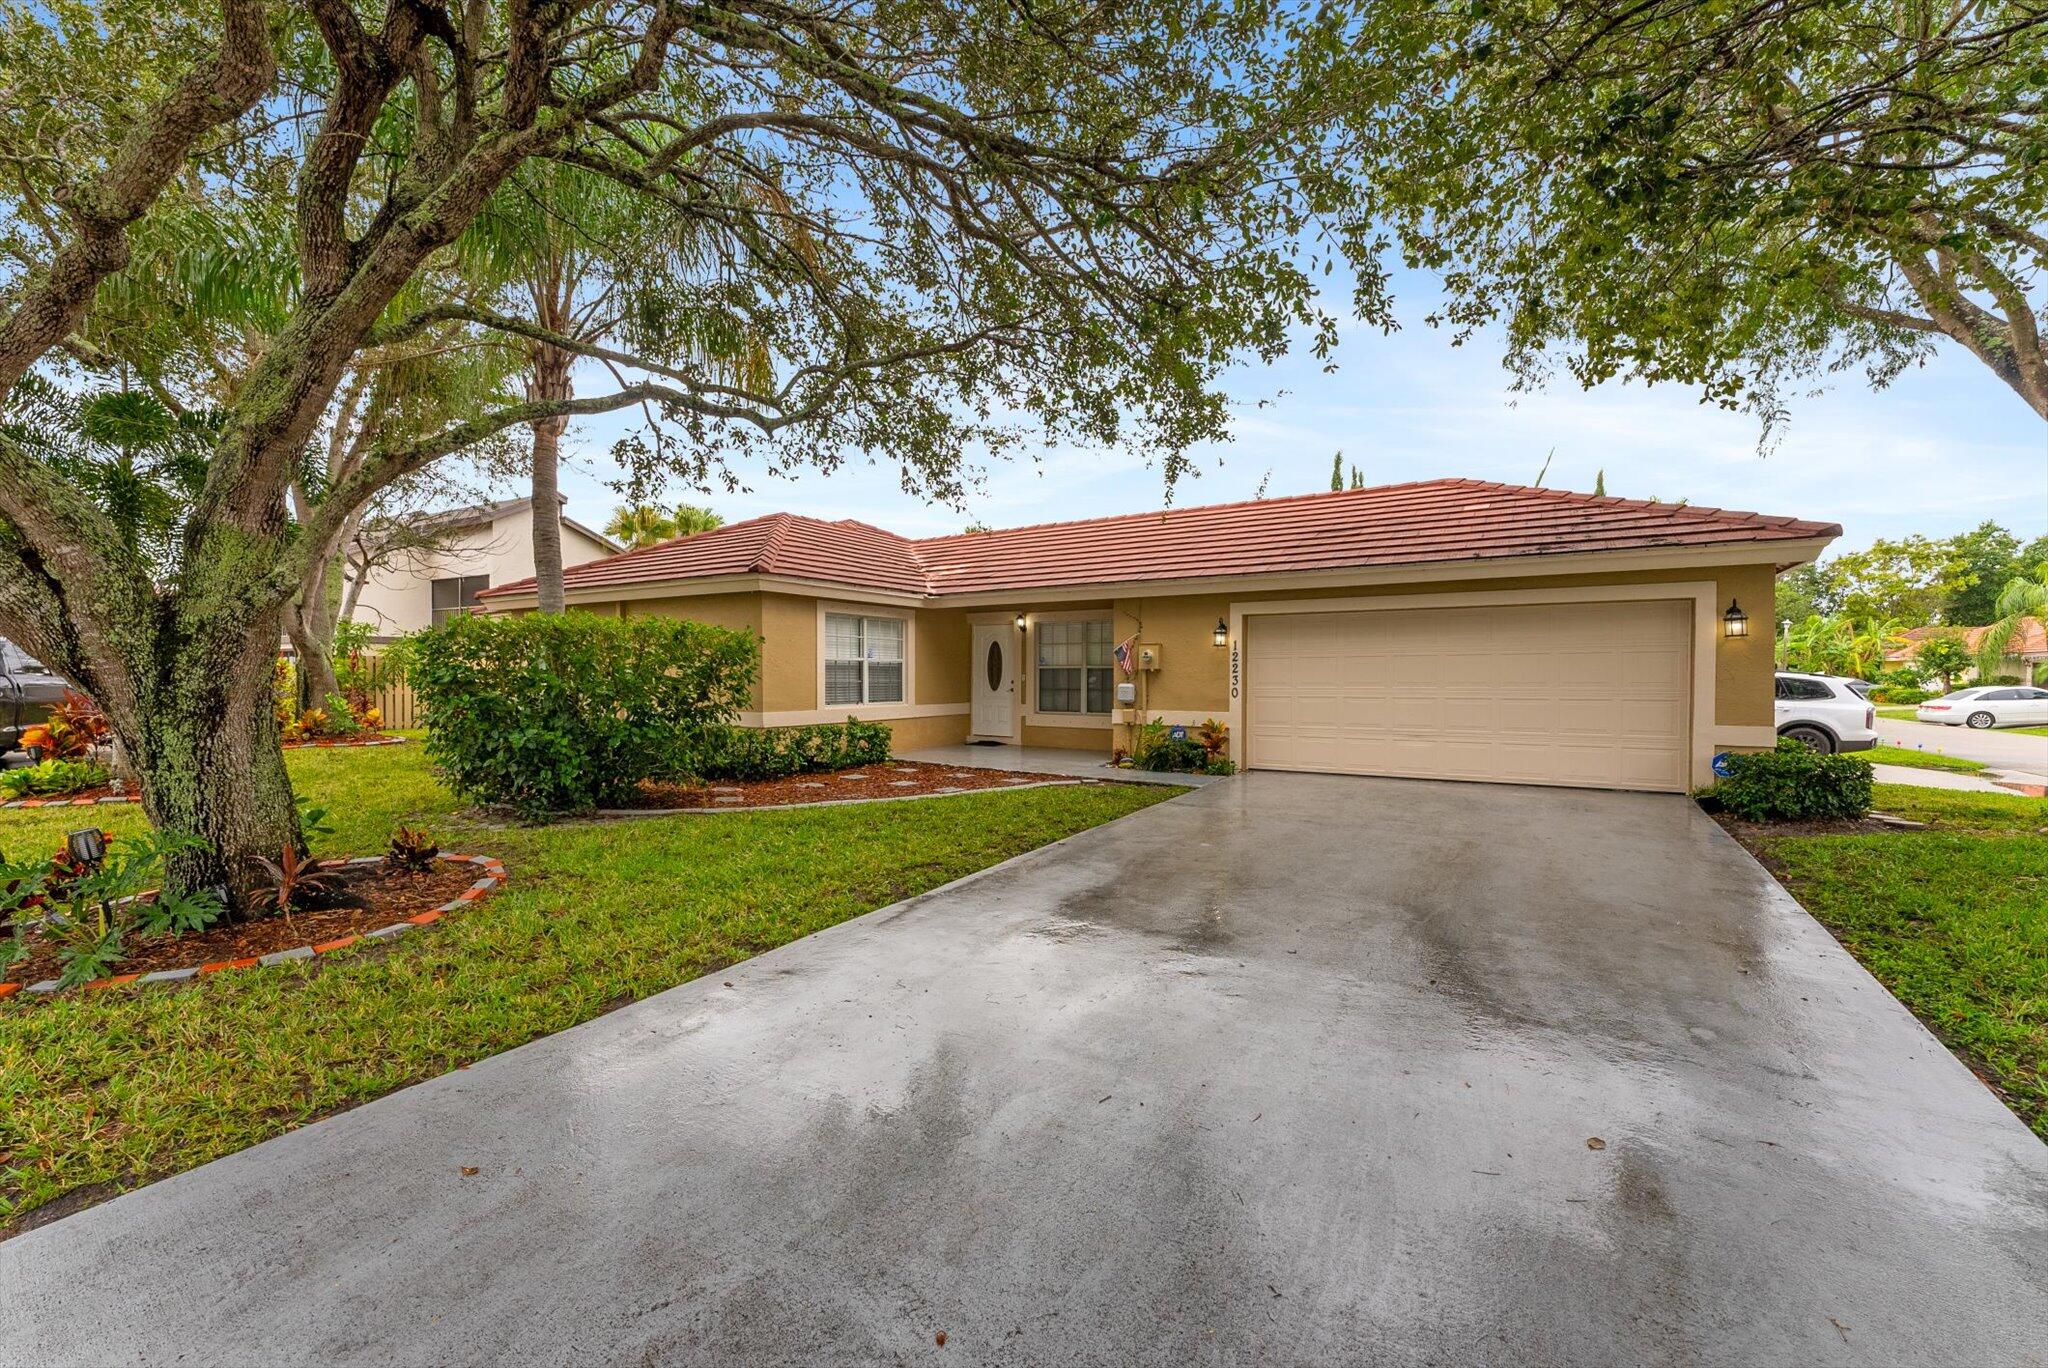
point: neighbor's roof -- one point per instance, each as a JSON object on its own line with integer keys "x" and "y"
{"x": 484, "y": 514}
{"x": 2031, "y": 641}
{"x": 1433, "y": 521}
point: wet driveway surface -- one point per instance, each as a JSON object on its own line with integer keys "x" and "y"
{"x": 1290, "y": 1070}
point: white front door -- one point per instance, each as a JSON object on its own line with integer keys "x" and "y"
{"x": 994, "y": 668}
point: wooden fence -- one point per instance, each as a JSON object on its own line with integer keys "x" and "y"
{"x": 384, "y": 681}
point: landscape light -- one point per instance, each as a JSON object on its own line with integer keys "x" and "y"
{"x": 87, "y": 847}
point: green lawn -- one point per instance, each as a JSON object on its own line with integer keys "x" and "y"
{"x": 1903, "y": 755}
{"x": 109, "y": 1090}
{"x": 1953, "y": 920}
{"x": 1898, "y": 714}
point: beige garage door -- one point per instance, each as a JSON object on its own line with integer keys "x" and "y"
{"x": 1589, "y": 694}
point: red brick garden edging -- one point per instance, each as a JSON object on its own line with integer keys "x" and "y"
{"x": 70, "y": 802}
{"x": 493, "y": 875}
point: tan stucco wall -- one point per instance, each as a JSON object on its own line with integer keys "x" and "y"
{"x": 1193, "y": 680}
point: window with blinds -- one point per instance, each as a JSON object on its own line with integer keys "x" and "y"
{"x": 1074, "y": 667}
{"x": 863, "y": 659}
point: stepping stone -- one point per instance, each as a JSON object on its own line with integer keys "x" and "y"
{"x": 853, "y": 776}
{"x": 814, "y": 785}
{"x": 958, "y": 774}
{"x": 725, "y": 800}
{"x": 718, "y": 789}
{"x": 903, "y": 783}
{"x": 904, "y": 769}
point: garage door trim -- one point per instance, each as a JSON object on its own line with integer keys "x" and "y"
{"x": 1700, "y": 593}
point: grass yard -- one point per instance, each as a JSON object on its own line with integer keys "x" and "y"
{"x": 109, "y": 1090}
{"x": 1953, "y": 920}
{"x": 1919, "y": 759}
{"x": 1899, "y": 714}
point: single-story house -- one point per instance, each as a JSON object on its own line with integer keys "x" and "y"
{"x": 1443, "y": 629}
{"x": 2027, "y": 656}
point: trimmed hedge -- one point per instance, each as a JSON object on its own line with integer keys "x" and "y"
{"x": 779, "y": 752}
{"x": 1794, "y": 784}
{"x": 563, "y": 713}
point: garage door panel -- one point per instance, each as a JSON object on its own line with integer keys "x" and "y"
{"x": 1595, "y": 694}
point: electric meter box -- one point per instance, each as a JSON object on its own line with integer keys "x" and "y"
{"x": 1148, "y": 655}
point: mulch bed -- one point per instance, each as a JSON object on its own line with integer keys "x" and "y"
{"x": 371, "y": 901}
{"x": 1749, "y": 833}
{"x": 895, "y": 779}
{"x": 83, "y": 798}
{"x": 342, "y": 742}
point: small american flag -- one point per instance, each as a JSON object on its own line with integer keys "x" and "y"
{"x": 1123, "y": 655}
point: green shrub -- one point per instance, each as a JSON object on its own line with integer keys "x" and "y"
{"x": 556, "y": 713}
{"x": 1900, "y": 694}
{"x": 51, "y": 779}
{"x": 1794, "y": 783}
{"x": 779, "y": 752}
{"x": 1175, "y": 754}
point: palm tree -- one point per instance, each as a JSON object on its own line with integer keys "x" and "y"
{"x": 639, "y": 525}
{"x": 581, "y": 260}
{"x": 689, "y": 520}
{"x": 2022, "y": 598}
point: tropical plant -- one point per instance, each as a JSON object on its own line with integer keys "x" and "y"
{"x": 52, "y": 779}
{"x": 411, "y": 850}
{"x": 296, "y": 882}
{"x": 640, "y": 525}
{"x": 1839, "y": 645}
{"x": 932, "y": 226}
{"x": 89, "y": 910}
{"x": 2020, "y": 599}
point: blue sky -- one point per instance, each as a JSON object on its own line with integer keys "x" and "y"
{"x": 1942, "y": 449}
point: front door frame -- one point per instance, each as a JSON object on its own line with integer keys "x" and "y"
{"x": 1015, "y": 640}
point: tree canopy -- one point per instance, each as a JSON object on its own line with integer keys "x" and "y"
{"x": 1732, "y": 197}
{"x": 939, "y": 227}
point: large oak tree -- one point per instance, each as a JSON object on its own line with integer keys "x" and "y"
{"x": 1739, "y": 196}
{"x": 931, "y": 216}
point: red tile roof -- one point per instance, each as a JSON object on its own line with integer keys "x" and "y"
{"x": 2031, "y": 640}
{"x": 1433, "y": 521}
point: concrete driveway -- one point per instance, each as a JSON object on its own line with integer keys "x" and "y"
{"x": 1291, "y": 1070}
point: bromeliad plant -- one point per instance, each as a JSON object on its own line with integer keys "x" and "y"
{"x": 88, "y": 908}
{"x": 411, "y": 851}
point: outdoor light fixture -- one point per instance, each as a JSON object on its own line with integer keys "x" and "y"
{"x": 1735, "y": 622}
{"x": 1020, "y": 622}
{"x": 87, "y": 847}
{"x": 1222, "y": 637}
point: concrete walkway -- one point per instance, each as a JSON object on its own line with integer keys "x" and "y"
{"x": 2002, "y": 749}
{"x": 1293, "y": 1070}
{"x": 1047, "y": 760}
{"x": 1941, "y": 779}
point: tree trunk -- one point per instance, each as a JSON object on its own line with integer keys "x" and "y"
{"x": 205, "y": 748}
{"x": 549, "y": 381}
{"x": 317, "y": 681}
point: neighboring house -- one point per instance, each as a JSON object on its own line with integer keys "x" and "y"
{"x": 1445, "y": 629}
{"x": 471, "y": 550}
{"x": 2029, "y": 648}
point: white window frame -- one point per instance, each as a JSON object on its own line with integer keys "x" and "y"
{"x": 1039, "y": 714}
{"x": 872, "y": 708}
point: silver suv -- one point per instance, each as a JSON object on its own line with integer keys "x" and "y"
{"x": 1826, "y": 712}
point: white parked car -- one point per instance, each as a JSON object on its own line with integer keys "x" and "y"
{"x": 1826, "y": 712}
{"x": 1988, "y": 705}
